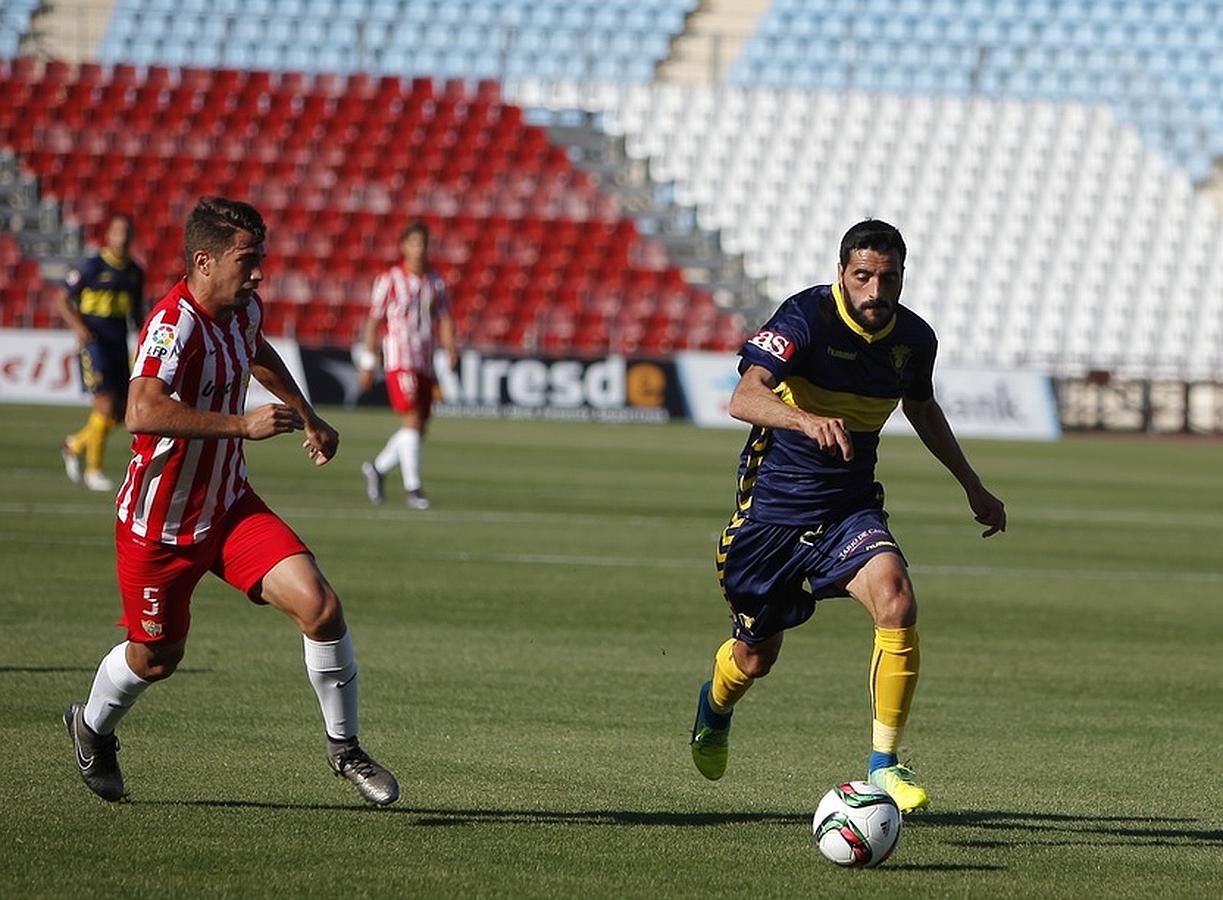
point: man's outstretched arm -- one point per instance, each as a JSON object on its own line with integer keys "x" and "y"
{"x": 322, "y": 441}
{"x": 932, "y": 427}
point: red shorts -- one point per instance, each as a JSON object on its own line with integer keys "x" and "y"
{"x": 410, "y": 391}
{"x": 156, "y": 580}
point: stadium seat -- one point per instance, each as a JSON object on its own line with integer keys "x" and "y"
{"x": 1030, "y": 50}
{"x": 335, "y": 188}
{"x": 1025, "y": 192}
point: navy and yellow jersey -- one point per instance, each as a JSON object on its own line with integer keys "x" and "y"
{"x": 109, "y": 295}
{"x": 827, "y": 364}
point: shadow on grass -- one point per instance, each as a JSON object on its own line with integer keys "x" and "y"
{"x": 452, "y": 817}
{"x": 1026, "y": 828}
{"x": 45, "y": 670}
{"x": 939, "y": 867}
{"x": 1059, "y": 829}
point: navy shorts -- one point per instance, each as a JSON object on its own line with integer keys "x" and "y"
{"x": 762, "y": 567}
{"x": 105, "y": 367}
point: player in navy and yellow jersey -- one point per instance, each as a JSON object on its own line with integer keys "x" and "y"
{"x": 105, "y": 295}
{"x": 817, "y": 382}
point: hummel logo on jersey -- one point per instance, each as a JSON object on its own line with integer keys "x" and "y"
{"x": 842, "y": 354}
{"x": 774, "y": 344}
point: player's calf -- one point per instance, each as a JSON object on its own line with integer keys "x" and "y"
{"x": 373, "y": 483}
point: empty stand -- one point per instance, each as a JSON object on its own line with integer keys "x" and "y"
{"x": 1042, "y": 234}
{"x": 338, "y": 166}
{"x": 1157, "y": 63}
{"x": 613, "y": 40}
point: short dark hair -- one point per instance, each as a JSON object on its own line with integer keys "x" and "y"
{"x": 211, "y": 226}
{"x": 126, "y": 218}
{"x": 416, "y": 226}
{"x": 873, "y": 234}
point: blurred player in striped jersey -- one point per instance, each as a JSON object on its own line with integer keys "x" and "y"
{"x": 104, "y": 294}
{"x": 412, "y": 300}
{"x": 186, "y": 507}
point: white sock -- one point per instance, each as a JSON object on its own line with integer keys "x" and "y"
{"x": 388, "y": 456}
{"x": 115, "y": 688}
{"x": 332, "y": 669}
{"x": 409, "y": 458}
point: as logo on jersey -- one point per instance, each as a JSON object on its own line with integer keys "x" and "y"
{"x": 773, "y": 344}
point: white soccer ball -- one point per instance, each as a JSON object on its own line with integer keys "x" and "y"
{"x": 857, "y": 825}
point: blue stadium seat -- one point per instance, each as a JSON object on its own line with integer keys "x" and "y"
{"x": 1087, "y": 50}
{"x": 465, "y": 26}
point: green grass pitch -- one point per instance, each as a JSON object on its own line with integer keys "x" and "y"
{"x": 530, "y": 654}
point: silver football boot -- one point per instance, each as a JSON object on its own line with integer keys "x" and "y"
{"x": 371, "y": 778}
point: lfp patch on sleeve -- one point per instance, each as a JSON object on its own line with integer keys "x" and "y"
{"x": 160, "y": 340}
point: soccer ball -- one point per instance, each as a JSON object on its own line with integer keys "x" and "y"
{"x": 857, "y": 825}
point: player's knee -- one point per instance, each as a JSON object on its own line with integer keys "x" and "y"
{"x": 756, "y": 666}
{"x": 895, "y": 606}
{"x": 155, "y": 663}
{"x": 756, "y": 661}
{"x": 323, "y": 619}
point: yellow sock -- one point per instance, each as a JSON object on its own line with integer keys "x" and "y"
{"x": 729, "y": 682}
{"x": 98, "y": 428}
{"x": 77, "y": 442}
{"x": 893, "y": 678}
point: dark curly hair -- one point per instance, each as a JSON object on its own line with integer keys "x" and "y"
{"x": 873, "y": 234}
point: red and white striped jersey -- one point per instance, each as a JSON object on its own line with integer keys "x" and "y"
{"x": 177, "y": 488}
{"x": 411, "y": 304}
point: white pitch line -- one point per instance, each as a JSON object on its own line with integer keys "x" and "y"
{"x": 932, "y": 570}
{"x": 622, "y": 562}
{"x": 20, "y": 537}
{"x": 1018, "y": 517}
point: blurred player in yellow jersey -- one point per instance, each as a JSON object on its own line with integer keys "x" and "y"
{"x": 105, "y": 294}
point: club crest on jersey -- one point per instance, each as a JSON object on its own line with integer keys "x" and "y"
{"x": 774, "y": 344}
{"x": 900, "y": 356}
{"x": 151, "y": 628}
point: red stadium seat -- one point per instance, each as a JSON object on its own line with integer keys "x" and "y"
{"x": 25, "y": 69}
{"x": 538, "y": 257}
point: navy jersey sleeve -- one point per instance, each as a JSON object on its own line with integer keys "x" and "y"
{"x": 81, "y": 277}
{"x": 780, "y": 342}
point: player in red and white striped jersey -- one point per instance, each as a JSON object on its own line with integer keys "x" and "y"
{"x": 412, "y": 300}
{"x": 186, "y": 507}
